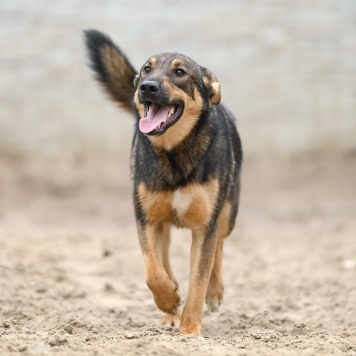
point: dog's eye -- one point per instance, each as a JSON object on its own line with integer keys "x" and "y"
{"x": 179, "y": 72}
{"x": 146, "y": 69}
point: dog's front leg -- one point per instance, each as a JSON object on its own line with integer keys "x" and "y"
{"x": 164, "y": 290}
{"x": 201, "y": 262}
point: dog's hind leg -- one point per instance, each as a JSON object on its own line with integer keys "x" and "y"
{"x": 226, "y": 222}
{"x": 215, "y": 292}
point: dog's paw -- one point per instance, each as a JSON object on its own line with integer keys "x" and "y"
{"x": 213, "y": 304}
{"x": 214, "y": 297}
{"x": 165, "y": 295}
{"x": 190, "y": 325}
{"x": 170, "y": 320}
{"x": 168, "y": 301}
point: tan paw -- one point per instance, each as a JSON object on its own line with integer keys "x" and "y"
{"x": 170, "y": 320}
{"x": 213, "y": 304}
{"x": 165, "y": 295}
{"x": 190, "y": 329}
{"x": 190, "y": 325}
{"x": 214, "y": 297}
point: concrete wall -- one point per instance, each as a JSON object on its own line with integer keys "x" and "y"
{"x": 287, "y": 69}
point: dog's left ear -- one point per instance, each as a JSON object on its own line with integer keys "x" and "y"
{"x": 212, "y": 84}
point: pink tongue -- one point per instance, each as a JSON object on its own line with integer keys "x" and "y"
{"x": 155, "y": 116}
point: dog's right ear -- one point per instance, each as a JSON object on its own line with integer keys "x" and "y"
{"x": 212, "y": 84}
{"x": 111, "y": 67}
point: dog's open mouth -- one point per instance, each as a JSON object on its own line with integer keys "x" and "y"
{"x": 158, "y": 118}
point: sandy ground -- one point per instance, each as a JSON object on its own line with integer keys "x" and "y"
{"x": 71, "y": 275}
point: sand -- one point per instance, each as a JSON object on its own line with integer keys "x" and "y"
{"x": 71, "y": 274}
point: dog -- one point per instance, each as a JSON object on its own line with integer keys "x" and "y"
{"x": 186, "y": 160}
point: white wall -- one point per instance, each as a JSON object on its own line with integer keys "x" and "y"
{"x": 287, "y": 69}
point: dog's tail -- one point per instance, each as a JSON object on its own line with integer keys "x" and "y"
{"x": 111, "y": 67}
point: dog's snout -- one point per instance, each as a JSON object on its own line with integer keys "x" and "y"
{"x": 149, "y": 87}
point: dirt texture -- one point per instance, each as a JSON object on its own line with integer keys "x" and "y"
{"x": 71, "y": 273}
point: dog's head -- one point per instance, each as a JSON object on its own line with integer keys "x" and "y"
{"x": 171, "y": 92}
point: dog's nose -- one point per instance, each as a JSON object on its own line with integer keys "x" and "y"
{"x": 149, "y": 87}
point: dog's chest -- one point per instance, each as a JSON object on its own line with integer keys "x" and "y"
{"x": 181, "y": 202}
{"x": 189, "y": 206}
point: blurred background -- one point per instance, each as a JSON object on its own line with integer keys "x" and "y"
{"x": 287, "y": 70}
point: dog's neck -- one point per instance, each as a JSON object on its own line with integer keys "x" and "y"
{"x": 176, "y": 167}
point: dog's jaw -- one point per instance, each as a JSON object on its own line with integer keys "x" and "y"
{"x": 159, "y": 117}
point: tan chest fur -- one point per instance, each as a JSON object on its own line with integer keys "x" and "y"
{"x": 190, "y": 206}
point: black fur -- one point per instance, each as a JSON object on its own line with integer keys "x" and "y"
{"x": 211, "y": 150}
{"x": 208, "y": 151}
{"x": 118, "y": 84}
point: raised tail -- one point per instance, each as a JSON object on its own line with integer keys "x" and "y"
{"x": 111, "y": 67}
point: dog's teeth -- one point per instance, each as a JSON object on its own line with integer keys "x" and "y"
{"x": 146, "y": 108}
{"x": 171, "y": 111}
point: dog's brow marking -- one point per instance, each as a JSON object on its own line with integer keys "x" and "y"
{"x": 181, "y": 202}
{"x": 153, "y": 61}
{"x": 176, "y": 62}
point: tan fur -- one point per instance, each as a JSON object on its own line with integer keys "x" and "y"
{"x": 166, "y": 240}
{"x": 174, "y": 194}
{"x": 162, "y": 287}
{"x": 224, "y": 221}
{"x": 158, "y": 205}
{"x": 202, "y": 205}
{"x": 215, "y": 95}
{"x": 213, "y": 84}
{"x": 158, "y": 208}
{"x": 171, "y": 320}
{"x": 185, "y": 124}
{"x": 117, "y": 70}
{"x": 215, "y": 292}
{"x": 177, "y": 63}
{"x": 139, "y": 106}
{"x": 198, "y": 283}
{"x": 214, "y": 295}
{"x": 153, "y": 61}
{"x": 160, "y": 280}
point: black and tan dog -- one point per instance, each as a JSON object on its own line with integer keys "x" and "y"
{"x": 186, "y": 160}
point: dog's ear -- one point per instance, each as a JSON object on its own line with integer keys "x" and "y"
{"x": 212, "y": 84}
{"x": 111, "y": 67}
